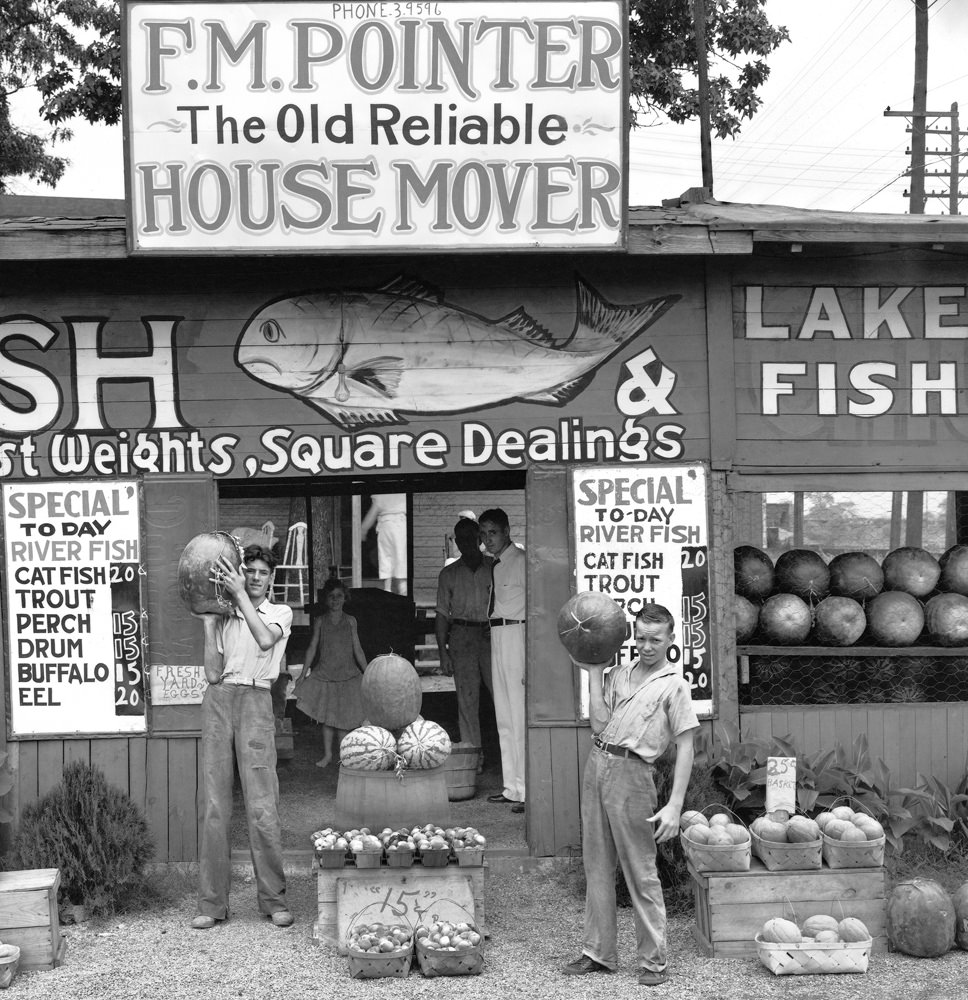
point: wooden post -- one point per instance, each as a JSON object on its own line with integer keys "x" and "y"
{"x": 705, "y": 142}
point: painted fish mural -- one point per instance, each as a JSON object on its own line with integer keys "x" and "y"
{"x": 367, "y": 358}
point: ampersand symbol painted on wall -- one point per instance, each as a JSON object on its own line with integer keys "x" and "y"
{"x": 648, "y": 387}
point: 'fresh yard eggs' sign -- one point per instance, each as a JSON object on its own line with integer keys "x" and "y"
{"x": 297, "y": 126}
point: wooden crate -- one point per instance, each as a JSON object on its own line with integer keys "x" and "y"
{"x": 29, "y": 918}
{"x": 400, "y": 880}
{"x": 731, "y": 907}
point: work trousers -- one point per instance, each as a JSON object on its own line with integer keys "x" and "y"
{"x": 507, "y": 679}
{"x": 237, "y": 722}
{"x": 618, "y": 796}
{"x": 470, "y": 655}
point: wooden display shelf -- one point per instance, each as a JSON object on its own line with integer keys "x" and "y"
{"x": 399, "y": 887}
{"x": 731, "y": 907}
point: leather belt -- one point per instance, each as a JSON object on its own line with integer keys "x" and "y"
{"x": 498, "y": 622}
{"x": 617, "y": 751}
{"x": 467, "y": 623}
{"x": 238, "y": 682}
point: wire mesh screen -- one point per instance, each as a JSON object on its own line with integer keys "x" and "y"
{"x": 907, "y": 534}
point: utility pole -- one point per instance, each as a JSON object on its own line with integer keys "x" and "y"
{"x": 705, "y": 140}
{"x": 920, "y": 103}
{"x": 954, "y": 172}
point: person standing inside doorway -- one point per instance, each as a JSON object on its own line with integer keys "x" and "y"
{"x": 388, "y": 513}
{"x": 506, "y": 616}
{"x": 243, "y": 652}
{"x": 463, "y": 636}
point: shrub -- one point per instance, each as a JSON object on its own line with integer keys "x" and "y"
{"x": 92, "y": 832}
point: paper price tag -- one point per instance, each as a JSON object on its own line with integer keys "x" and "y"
{"x": 781, "y": 784}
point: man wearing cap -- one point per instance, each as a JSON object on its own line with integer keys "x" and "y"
{"x": 463, "y": 639}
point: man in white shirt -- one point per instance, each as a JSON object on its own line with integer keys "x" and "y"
{"x": 243, "y": 653}
{"x": 506, "y": 614}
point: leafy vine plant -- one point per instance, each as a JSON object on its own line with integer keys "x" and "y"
{"x": 738, "y": 766}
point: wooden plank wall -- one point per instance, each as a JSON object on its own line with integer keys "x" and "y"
{"x": 927, "y": 739}
{"x": 160, "y": 774}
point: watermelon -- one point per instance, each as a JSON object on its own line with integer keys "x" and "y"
{"x": 960, "y": 900}
{"x": 368, "y": 748}
{"x": 753, "y": 572}
{"x": 912, "y": 570}
{"x": 391, "y": 692}
{"x": 954, "y": 570}
{"x": 592, "y": 627}
{"x": 856, "y": 575}
{"x": 196, "y": 565}
{"x": 802, "y": 572}
{"x": 745, "y": 616}
{"x": 423, "y": 745}
{"x": 838, "y": 621}
{"x": 785, "y": 619}
{"x": 895, "y": 618}
{"x": 921, "y": 918}
{"x": 946, "y": 616}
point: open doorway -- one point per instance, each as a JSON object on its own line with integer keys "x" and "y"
{"x": 319, "y": 530}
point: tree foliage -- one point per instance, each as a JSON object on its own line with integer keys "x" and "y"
{"x": 663, "y": 56}
{"x": 69, "y": 50}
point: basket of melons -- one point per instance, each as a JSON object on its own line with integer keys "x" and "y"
{"x": 821, "y": 944}
{"x": 446, "y": 948}
{"x": 379, "y": 951}
{"x": 787, "y": 843}
{"x": 852, "y": 838}
{"x": 718, "y": 842}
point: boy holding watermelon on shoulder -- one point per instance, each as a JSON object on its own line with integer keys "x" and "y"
{"x": 635, "y": 713}
{"x": 243, "y": 653}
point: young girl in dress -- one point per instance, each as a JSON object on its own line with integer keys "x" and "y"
{"x": 329, "y": 688}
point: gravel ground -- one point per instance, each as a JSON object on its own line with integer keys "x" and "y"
{"x": 534, "y": 921}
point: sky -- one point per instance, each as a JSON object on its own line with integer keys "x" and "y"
{"x": 819, "y": 141}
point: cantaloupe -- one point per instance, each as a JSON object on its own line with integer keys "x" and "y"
{"x": 781, "y": 931}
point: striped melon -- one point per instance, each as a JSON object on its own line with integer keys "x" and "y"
{"x": 369, "y": 748}
{"x": 423, "y": 744}
{"x": 391, "y": 691}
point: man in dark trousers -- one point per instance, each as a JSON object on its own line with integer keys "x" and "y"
{"x": 635, "y": 713}
{"x": 463, "y": 636}
{"x": 243, "y": 652}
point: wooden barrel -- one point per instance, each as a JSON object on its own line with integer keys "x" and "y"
{"x": 461, "y": 771}
{"x": 378, "y": 799}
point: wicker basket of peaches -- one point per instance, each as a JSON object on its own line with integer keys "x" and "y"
{"x": 718, "y": 842}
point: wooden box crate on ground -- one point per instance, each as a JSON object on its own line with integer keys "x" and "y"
{"x": 731, "y": 907}
{"x": 29, "y": 918}
{"x": 395, "y": 895}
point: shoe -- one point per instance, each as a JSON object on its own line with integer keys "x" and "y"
{"x": 582, "y": 966}
{"x": 281, "y": 918}
{"x": 649, "y": 978}
{"x": 500, "y": 798}
{"x": 517, "y": 807}
{"x": 203, "y": 922}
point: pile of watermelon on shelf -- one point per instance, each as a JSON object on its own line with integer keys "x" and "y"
{"x": 906, "y": 597}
